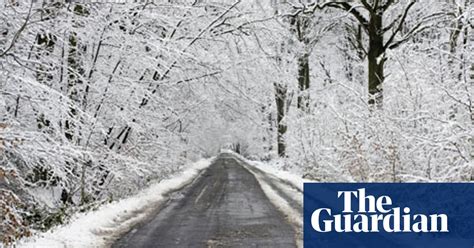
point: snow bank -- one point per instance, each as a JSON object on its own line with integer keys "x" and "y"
{"x": 283, "y": 188}
{"x": 294, "y": 179}
{"x": 101, "y": 227}
{"x": 273, "y": 169}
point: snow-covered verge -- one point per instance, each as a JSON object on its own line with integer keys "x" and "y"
{"x": 99, "y": 228}
{"x": 283, "y": 188}
{"x": 275, "y": 169}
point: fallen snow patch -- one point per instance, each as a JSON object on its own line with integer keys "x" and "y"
{"x": 274, "y": 170}
{"x": 101, "y": 227}
{"x": 291, "y": 213}
{"x": 284, "y": 189}
{"x": 293, "y": 179}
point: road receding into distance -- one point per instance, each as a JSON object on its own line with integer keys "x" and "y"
{"x": 223, "y": 207}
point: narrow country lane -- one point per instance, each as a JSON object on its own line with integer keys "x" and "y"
{"x": 224, "y": 207}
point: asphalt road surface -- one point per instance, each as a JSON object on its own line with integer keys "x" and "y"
{"x": 223, "y": 207}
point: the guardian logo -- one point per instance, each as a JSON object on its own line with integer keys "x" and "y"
{"x": 374, "y": 214}
{"x": 388, "y": 215}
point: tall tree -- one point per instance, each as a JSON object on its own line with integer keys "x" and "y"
{"x": 76, "y": 73}
{"x": 308, "y": 30}
{"x": 281, "y": 103}
{"x": 300, "y": 25}
{"x": 372, "y": 15}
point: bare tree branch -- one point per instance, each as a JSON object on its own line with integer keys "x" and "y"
{"x": 400, "y": 23}
{"x": 18, "y": 33}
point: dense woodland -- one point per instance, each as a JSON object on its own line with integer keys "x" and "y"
{"x": 98, "y": 100}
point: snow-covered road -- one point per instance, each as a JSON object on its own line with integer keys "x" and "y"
{"x": 224, "y": 207}
{"x": 225, "y": 202}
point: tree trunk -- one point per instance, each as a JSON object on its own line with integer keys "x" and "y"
{"x": 267, "y": 123}
{"x": 303, "y": 82}
{"x": 73, "y": 85}
{"x": 76, "y": 75}
{"x": 376, "y": 59}
{"x": 280, "y": 97}
{"x": 46, "y": 42}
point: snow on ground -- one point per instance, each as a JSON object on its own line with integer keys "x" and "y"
{"x": 283, "y": 188}
{"x": 272, "y": 169}
{"x": 99, "y": 228}
{"x": 292, "y": 213}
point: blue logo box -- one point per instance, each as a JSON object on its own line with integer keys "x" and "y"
{"x": 366, "y": 215}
